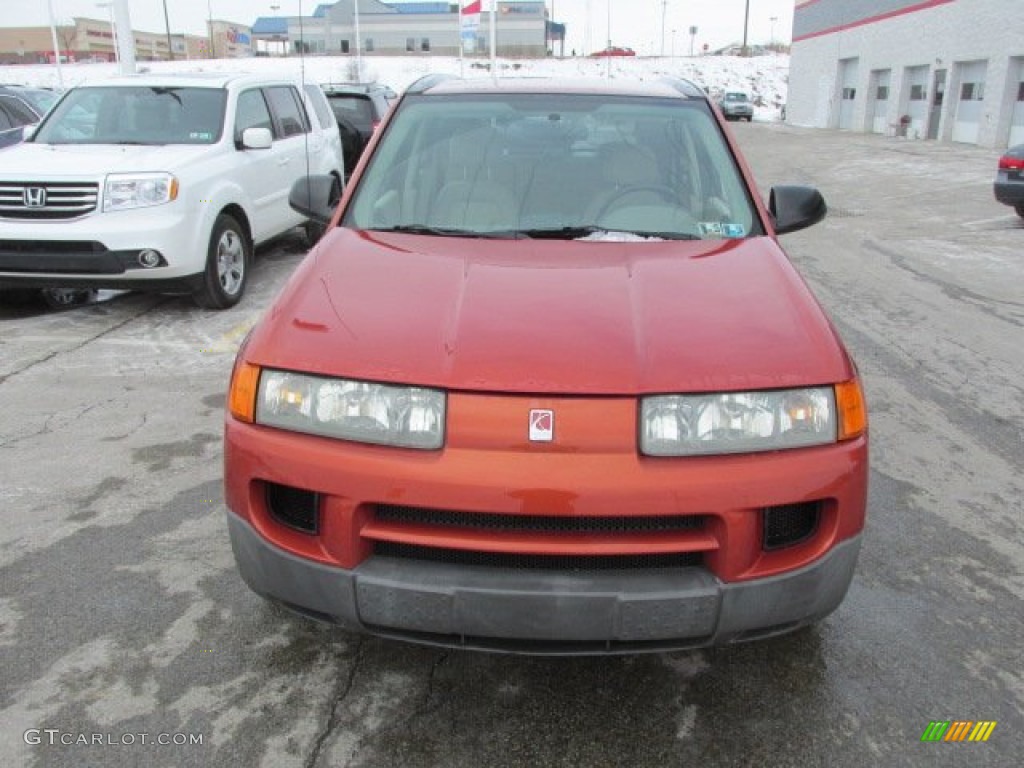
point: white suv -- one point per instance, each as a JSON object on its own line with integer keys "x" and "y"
{"x": 161, "y": 183}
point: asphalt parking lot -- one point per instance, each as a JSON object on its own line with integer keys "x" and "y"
{"x": 123, "y": 623}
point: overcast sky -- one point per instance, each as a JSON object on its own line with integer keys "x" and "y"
{"x": 634, "y": 23}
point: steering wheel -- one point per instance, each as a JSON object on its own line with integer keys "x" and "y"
{"x": 665, "y": 193}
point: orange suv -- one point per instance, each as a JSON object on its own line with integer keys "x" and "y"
{"x": 549, "y": 384}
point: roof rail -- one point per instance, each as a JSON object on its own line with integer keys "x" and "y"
{"x": 685, "y": 87}
{"x": 428, "y": 81}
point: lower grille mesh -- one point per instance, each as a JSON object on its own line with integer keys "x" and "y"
{"x": 536, "y": 562}
{"x": 537, "y": 523}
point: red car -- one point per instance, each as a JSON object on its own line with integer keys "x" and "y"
{"x": 614, "y": 50}
{"x": 549, "y": 384}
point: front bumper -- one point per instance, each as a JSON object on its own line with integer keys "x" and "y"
{"x": 555, "y": 612}
{"x": 102, "y": 249}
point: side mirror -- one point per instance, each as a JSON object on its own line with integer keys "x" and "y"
{"x": 311, "y": 196}
{"x": 795, "y": 208}
{"x": 28, "y": 131}
{"x": 257, "y": 138}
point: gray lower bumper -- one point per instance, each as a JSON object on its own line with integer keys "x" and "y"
{"x": 546, "y": 612}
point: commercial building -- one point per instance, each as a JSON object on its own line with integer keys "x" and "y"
{"x": 88, "y": 39}
{"x": 397, "y": 28}
{"x": 951, "y": 70}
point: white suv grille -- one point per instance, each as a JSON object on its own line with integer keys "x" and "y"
{"x": 47, "y": 200}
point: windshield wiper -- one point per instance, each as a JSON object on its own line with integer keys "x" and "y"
{"x": 575, "y": 233}
{"x": 560, "y": 233}
{"x": 423, "y": 229}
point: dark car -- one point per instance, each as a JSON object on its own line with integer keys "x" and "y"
{"x": 21, "y": 106}
{"x": 736, "y": 106}
{"x": 1009, "y": 186}
{"x": 358, "y": 108}
{"x": 549, "y": 383}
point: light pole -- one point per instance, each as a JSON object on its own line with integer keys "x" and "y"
{"x": 771, "y": 39}
{"x": 664, "y": 7}
{"x": 113, "y": 28}
{"x": 209, "y": 22}
{"x": 167, "y": 26}
{"x": 275, "y": 9}
{"x": 56, "y": 44}
{"x": 746, "y": 19}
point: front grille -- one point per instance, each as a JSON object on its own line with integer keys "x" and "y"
{"x": 536, "y": 523}
{"x": 789, "y": 524}
{"x": 47, "y": 200}
{"x": 536, "y": 562}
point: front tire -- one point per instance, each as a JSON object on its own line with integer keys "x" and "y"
{"x": 227, "y": 265}
{"x": 68, "y": 298}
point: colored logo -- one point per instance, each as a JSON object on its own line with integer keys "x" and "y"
{"x": 542, "y": 426}
{"x": 958, "y": 730}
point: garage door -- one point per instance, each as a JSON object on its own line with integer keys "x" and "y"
{"x": 970, "y": 100}
{"x": 880, "y": 119}
{"x": 1017, "y": 118}
{"x": 848, "y": 92}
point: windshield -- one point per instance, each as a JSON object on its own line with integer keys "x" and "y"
{"x": 561, "y": 166}
{"x": 735, "y": 97}
{"x": 40, "y": 99}
{"x": 135, "y": 115}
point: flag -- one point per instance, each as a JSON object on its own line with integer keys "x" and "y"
{"x": 470, "y": 24}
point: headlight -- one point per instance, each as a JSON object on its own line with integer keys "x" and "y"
{"x": 737, "y": 422}
{"x": 410, "y": 417}
{"x": 138, "y": 190}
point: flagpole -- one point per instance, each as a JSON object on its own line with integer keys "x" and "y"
{"x": 494, "y": 38}
{"x": 359, "y": 46}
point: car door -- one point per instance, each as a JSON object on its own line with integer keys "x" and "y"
{"x": 291, "y": 144}
{"x": 265, "y": 174}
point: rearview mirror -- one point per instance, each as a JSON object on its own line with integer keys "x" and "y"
{"x": 311, "y": 196}
{"x": 795, "y": 208}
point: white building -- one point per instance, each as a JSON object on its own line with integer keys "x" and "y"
{"x": 395, "y": 28}
{"x": 951, "y": 70}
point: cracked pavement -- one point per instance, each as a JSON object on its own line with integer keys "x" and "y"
{"x": 122, "y": 615}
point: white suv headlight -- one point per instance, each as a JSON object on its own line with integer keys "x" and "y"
{"x": 737, "y": 422}
{"x": 410, "y": 417}
{"x": 138, "y": 190}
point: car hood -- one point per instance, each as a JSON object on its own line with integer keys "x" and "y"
{"x": 542, "y": 316}
{"x": 92, "y": 160}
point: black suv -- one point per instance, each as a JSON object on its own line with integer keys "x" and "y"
{"x": 358, "y": 108}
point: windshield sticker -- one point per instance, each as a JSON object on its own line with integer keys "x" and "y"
{"x": 200, "y": 136}
{"x": 721, "y": 229}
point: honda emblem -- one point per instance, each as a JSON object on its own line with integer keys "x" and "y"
{"x": 542, "y": 426}
{"x": 34, "y": 197}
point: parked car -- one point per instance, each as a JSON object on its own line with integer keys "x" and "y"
{"x": 19, "y": 107}
{"x": 549, "y": 383}
{"x": 358, "y": 109}
{"x": 159, "y": 183}
{"x": 614, "y": 50}
{"x": 1009, "y": 185}
{"x": 736, "y": 106}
